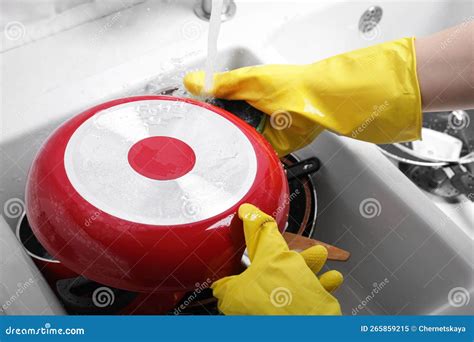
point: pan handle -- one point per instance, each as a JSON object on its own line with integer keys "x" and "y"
{"x": 461, "y": 179}
{"x": 303, "y": 168}
{"x": 83, "y": 296}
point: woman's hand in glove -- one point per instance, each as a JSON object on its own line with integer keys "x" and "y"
{"x": 278, "y": 281}
{"x": 370, "y": 94}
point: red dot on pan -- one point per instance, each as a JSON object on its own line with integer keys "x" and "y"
{"x": 161, "y": 158}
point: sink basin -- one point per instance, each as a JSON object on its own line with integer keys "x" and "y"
{"x": 17, "y": 155}
{"x": 408, "y": 256}
{"x": 335, "y": 27}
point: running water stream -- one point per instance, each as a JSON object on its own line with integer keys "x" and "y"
{"x": 214, "y": 27}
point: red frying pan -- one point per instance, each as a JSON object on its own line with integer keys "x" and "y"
{"x": 141, "y": 193}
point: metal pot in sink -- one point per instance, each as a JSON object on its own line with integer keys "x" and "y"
{"x": 441, "y": 163}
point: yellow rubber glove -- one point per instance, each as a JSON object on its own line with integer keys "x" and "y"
{"x": 370, "y": 94}
{"x": 278, "y": 281}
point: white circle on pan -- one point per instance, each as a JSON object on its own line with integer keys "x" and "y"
{"x": 96, "y": 163}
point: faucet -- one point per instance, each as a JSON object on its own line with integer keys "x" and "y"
{"x": 203, "y": 9}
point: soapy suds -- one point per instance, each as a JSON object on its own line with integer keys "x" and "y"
{"x": 172, "y": 85}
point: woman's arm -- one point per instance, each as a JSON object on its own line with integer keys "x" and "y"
{"x": 375, "y": 94}
{"x": 445, "y": 67}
